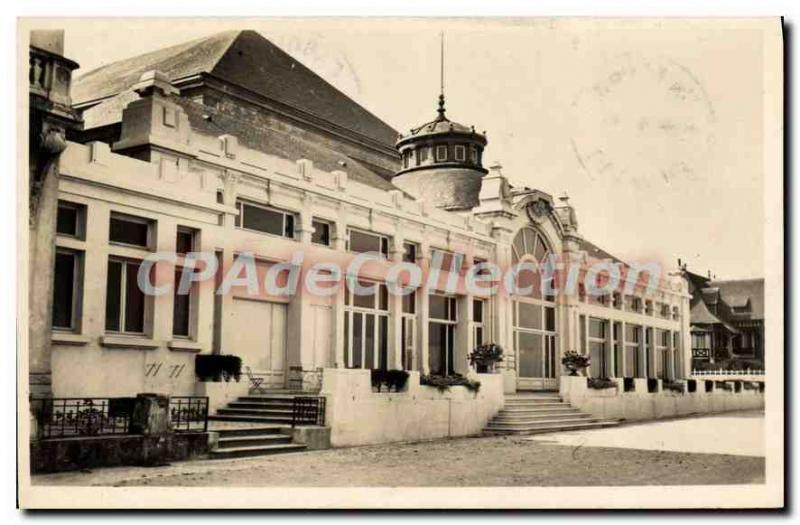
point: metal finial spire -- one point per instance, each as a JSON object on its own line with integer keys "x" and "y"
{"x": 441, "y": 77}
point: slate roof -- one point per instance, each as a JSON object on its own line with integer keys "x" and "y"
{"x": 598, "y": 253}
{"x": 737, "y": 292}
{"x": 245, "y": 59}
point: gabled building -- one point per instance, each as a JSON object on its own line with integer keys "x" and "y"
{"x": 727, "y": 322}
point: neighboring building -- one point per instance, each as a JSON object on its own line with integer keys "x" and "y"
{"x": 727, "y": 322}
{"x": 228, "y": 145}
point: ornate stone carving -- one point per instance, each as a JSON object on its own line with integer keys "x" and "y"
{"x": 537, "y": 210}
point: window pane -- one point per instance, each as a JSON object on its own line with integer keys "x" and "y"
{"x": 409, "y": 252}
{"x": 477, "y": 311}
{"x": 181, "y": 306}
{"x": 184, "y": 241}
{"x": 438, "y": 307}
{"x": 128, "y": 231}
{"x": 322, "y": 233}
{"x": 383, "y": 297}
{"x": 67, "y": 220}
{"x": 288, "y": 231}
{"x": 436, "y": 348}
{"x": 409, "y": 303}
{"x": 361, "y": 242}
{"x": 63, "y": 290}
{"x": 550, "y": 319}
{"x": 259, "y": 219}
{"x": 597, "y": 328}
{"x": 530, "y": 316}
{"x": 365, "y": 300}
{"x": 113, "y": 286}
{"x": 369, "y": 342}
{"x": 134, "y": 300}
{"x": 358, "y": 340}
{"x": 531, "y": 355}
{"x": 383, "y": 341}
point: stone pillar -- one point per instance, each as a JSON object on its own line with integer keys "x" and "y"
{"x": 50, "y": 115}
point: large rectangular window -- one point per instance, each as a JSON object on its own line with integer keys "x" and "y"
{"x": 67, "y": 289}
{"x": 360, "y": 241}
{"x": 479, "y": 329}
{"x": 598, "y": 348}
{"x": 535, "y": 341}
{"x": 182, "y": 307}
{"x": 125, "y": 302}
{"x": 443, "y": 314}
{"x": 366, "y": 319}
{"x": 633, "y": 334}
{"x": 130, "y": 230}
{"x": 265, "y": 219}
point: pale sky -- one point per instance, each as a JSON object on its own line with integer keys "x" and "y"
{"x": 654, "y": 129}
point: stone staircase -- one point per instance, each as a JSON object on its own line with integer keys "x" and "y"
{"x": 237, "y": 441}
{"x": 255, "y": 425}
{"x": 534, "y": 413}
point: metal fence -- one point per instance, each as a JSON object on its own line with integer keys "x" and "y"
{"x": 726, "y": 373}
{"x": 188, "y": 413}
{"x": 73, "y": 417}
{"x": 308, "y": 410}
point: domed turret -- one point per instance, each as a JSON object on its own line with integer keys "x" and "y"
{"x": 442, "y": 163}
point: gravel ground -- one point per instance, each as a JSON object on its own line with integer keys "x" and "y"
{"x": 495, "y": 461}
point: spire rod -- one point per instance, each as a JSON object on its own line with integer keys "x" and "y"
{"x": 441, "y": 77}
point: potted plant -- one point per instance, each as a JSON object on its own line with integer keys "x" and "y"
{"x": 575, "y": 362}
{"x": 484, "y": 357}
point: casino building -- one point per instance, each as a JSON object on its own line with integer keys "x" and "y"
{"x": 228, "y": 145}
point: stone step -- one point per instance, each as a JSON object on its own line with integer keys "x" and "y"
{"x": 539, "y": 407}
{"x": 248, "y": 419}
{"x": 285, "y": 400}
{"x": 552, "y": 427}
{"x": 253, "y": 440}
{"x": 261, "y": 450}
{"x": 538, "y": 422}
{"x": 274, "y": 414}
{"x": 525, "y": 402}
{"x": 500, "y": 418}
{"x": 261, "y": 406}
{"x": 250, "y": 430}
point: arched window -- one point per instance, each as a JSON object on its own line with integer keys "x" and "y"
{"x": 529, "y": 242}
{"x": 530, "y": 245}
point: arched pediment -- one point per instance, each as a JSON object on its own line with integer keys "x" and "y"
{"x": 539, "y": 208}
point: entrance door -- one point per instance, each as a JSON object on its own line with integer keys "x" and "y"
{"x": 259, "y": 338}
{"x": 536, "y": 369}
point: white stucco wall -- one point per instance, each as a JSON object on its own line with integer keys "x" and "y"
{"x": 359, "y": 416}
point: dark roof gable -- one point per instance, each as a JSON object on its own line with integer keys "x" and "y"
{"x": 247, "y": 60}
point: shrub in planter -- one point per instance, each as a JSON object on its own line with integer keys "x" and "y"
{"x": 217, "y": 367}
{"x": 393, "y": 379}
{"x": 691, "y": 384}
{"x": 737, "y": 386}
{"x": 484, "y": 357}
{"x": 443, "y": 383}
{"x": 600, "y": 383}
{"x": 709, "y": 386}
{"x": 629, "y": 385}
{"x": 679, "y": 387}
{"x": 652, "y": 385}
{"x": 723, "y": 385}
{"x": 396, "y": 379}
{"x": 575, "y": 362}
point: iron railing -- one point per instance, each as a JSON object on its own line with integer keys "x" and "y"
{"x": 308, "y": 410}
{"x": 78, "y": 416}
{"x": 188, "y": 413}
{"x": 725, "y": 372}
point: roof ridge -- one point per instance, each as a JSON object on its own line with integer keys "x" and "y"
{"x": 164, "y": 50}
